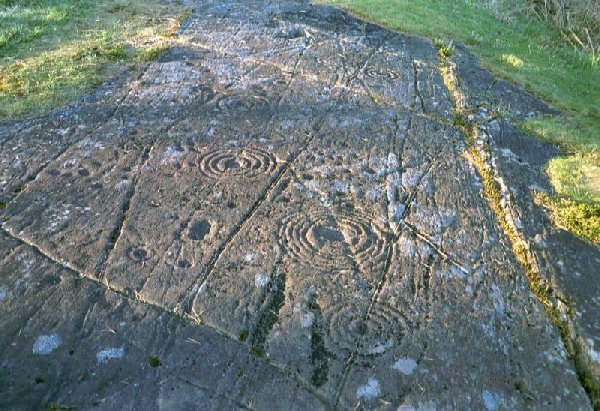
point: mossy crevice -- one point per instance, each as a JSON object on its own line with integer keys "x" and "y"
{"x": 319, "y": 355}
{"x": 525, "y": 50}
{"x": 270, "y": 313}
{"x": 558, "y": 309}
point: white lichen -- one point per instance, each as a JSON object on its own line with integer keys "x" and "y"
{"x": 122, "y": 185}
{"x": 109, "y": 354}
{"x": 252, "y": 257}
{"x": 171, "y": 154}
{"x": 307, "y": 319}
{"x": 261, "y": 280}
{"x": 380, "y": 348}
{"x": 489, "y": 401}
{"x": 370, "y": 390}
{"x": 45, "y": 344}
{"x": 594, "y": 355}
{"x": 405, "y": 365}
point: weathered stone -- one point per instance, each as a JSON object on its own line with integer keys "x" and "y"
{"x": 568, "y": 263}
{"x": 484, "y": 90}
{"x": 71, "y": 342}
{"x": 276, "y": 214}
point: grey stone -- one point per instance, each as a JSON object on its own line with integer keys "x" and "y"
{"x": 278, "y": 214}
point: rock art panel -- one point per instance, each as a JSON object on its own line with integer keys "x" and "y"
{"x": 280, "y": 206}
{"x": 76, "y": 344}
{"x": 74, "y": 208}
{"x": 196, "y": 194}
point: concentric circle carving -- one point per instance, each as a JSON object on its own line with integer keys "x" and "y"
{"x": 237, "y": 162}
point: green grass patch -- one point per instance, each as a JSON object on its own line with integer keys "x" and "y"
{"x": 573, "y": 133}
{"x": 577, "y": 177}
{"x": 580, "y": 218}
{"x": 529, "y": 52}
{"x": 53, "y": 51}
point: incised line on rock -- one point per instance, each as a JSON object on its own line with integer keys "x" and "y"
{"x": 184, "y": 317}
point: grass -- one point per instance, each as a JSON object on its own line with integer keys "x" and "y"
{"x": 581, "y": 218}
{"x": 577, "y": 20}
{"x": 532, "y": 53}
{"x": 53, "y": 51}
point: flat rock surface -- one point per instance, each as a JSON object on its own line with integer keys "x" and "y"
{"x": 277, "y": 214}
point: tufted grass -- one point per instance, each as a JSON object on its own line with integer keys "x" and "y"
{"x": 53, "y": 51}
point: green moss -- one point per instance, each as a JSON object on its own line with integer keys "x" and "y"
{"x": 180, "y": 19}
{"x": 257, "y": 351}
{"x": 269, "y": 314}
{"x": 445, "y": 49}
{"x": 592, "y": 386}
{"x": 518, "y": 385}
{"x": 243, "y": 335}
{"x": 460, "y": 121}
{"x": 319, "y": 358}
{"x": 54, "y": 406}
{"x": 154, "y": 362}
